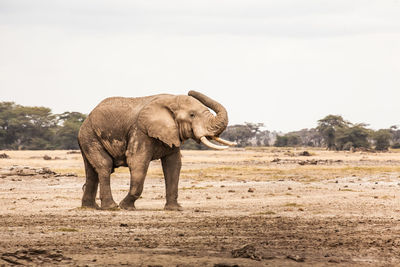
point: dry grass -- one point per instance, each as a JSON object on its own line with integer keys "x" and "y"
{"x": 250, "y": 164}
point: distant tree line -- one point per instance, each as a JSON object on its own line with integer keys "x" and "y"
{"x": 339, "y": 134}
{"x": 332, "y": 132}
{"x": 335, "y": 133}
{"x": 23, "y": 127}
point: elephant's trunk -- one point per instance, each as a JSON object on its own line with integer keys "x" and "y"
{"x": 219, "y": 122}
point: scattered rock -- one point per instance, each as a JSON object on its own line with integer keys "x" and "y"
{"x": 29, "y": 171}
{"x": 231, "y": 191}
{"x": 296, "y": 258}
{"x": 18, "y": 171}
{"x": 251, "y": 190}
{"x": 308, "y": 162}
{"x": 36, "y": 257}
{"x": 305, "y": 154}
{"x": 123, "y": 225}
{"x": 46, "y": 157}
{"x": 45, "y": 170}
{"x": 74, "y": 152}
{"x": 4, "y": 156}
{"x": 68, "y": 174}
{"x": 225, "y": 265}
{"x": 248, "y": 251}
{"x": 148, "y": 244}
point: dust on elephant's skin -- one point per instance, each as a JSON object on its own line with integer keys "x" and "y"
{"x": 134, "y": 131}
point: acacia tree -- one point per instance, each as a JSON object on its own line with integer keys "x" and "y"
{"x": 287, "y": 140}
{"x": 395, "y": 133}
{"x": 39, "y": 125}
{"x": 66, "y": 134}
{"x": 308, "y": 137}
{"x": 263, "y": 138}
{"x": 242, "y": 134}
{"x": 382, "y": 139}
{"x": 24, "y": 127}
{"x": 7, "y": 122}
{"x": 353, "y": 136}
{"x": 328, "y": 128}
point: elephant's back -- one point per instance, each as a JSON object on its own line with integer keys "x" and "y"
{"x": 112, "y": 120}
{"x": 119, "y": 110}
{"x": 116, "y": 103}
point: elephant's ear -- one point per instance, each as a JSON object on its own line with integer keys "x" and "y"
{"x": 157, "y": 121}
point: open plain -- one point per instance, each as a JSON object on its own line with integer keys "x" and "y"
{"x": 249, "y": 207}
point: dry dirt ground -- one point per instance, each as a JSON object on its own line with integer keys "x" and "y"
{"x": 255, "y": 207}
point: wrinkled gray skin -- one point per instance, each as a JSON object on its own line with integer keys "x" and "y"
{"x": 134, "y": 131}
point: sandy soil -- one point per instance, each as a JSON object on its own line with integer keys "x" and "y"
{"x": 262, "y": 207}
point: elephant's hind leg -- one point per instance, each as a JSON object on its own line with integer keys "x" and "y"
{"x": 90, "y": 187}
{"x": 102, "y": 164}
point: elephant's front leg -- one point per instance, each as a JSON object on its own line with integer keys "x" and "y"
{"x": 172, "y": 167}
{"x": 138, "y": 166}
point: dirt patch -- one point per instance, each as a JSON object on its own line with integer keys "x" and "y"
{"x": 234, "y": 214}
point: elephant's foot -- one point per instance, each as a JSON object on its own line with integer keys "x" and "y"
{"x": 109, "y": 205}
{"x": 90, "y": 205}
{"x": 173, "y": 207}
{"x": 127, "y": 203}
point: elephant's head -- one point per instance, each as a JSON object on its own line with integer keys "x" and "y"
{"x": 174, "y": 119}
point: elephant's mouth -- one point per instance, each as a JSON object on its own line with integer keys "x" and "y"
{"x": 185, "y": 131}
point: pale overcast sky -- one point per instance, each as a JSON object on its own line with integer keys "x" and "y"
{"x": 285, "y": 63}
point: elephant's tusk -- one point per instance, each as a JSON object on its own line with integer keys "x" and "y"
{"x": 205, "y": 141}
{"x": 224, "y": 142}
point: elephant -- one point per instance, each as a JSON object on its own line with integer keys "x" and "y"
{"x": 131, "y": 132}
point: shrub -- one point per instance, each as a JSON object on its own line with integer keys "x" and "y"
{"x": 395, "y": 145}
{"x": 382, "y": 139}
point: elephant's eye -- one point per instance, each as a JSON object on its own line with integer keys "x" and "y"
{"x": 192, "y": 115}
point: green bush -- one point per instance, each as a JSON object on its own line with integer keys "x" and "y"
{"x": 382, "y": 139}
{"x": 396, "y": 145}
